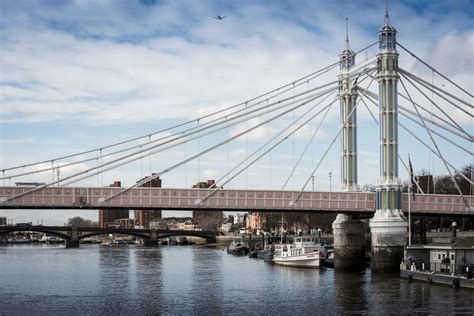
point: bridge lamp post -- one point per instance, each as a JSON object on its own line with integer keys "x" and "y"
{"x": 330, "y": 181}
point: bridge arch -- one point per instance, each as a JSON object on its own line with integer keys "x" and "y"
{"x": 113, "y": 231}
{"x": 207, "y": 236}
{"x": 35, "y": 229}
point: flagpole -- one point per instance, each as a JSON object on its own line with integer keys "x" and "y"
{"x": 409, "y": 215}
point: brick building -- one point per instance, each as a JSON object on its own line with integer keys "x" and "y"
{"x": 144, "y": 217}
{"x": 207, "y": 220}
{"x": 111, "y": 215}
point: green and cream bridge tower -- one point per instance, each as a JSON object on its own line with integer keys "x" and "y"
{"x": 388, "y": 226}
{"x": 349, "y": 232}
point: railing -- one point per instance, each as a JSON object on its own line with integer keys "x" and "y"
{"x": 186, "y": 199}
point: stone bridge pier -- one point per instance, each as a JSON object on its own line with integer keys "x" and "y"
{"x": 73, "y": 242}
{"x": 153, "y": 240}
{"x": 349, "y": 243}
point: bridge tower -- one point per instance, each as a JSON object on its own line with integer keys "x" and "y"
{"x": 349, "y": 233}
{"x": 389, "y": 225}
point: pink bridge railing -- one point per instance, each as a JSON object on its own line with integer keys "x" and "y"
{"x": 259, "y": 200}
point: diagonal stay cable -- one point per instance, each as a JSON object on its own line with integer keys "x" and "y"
{"x": 423, "y": 143}
{"x": 267, "y": 150}
{"x": 434, "y": 152}
{"x": 431, "y": 113}
{"x": 310, "y": 142}
{"x": 403, "y": 112}
{"x": 145, "y": 149}
{"x": 266, "y": 95}
{"x": 306, "y": 78}
{"x": 292, "y": 203}
{"x": 436, "y": 105}
{"x": 275, "y": 145}
{"x": 134, "y": 157}
{"x": 428, "y": 85}
{"x": 433, "y": 69}
{"x": 191, "y": 131}
{"x": 454, "y": 132}
{"x": 436, "y": 147}
{"x": 208, "y": 149}
{"x": 377, "y": 123}
{"x": 422, "y": 108}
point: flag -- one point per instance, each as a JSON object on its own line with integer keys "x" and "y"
{"x": 412, "y": 178}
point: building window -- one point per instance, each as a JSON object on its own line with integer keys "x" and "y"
{"x": 439, "y": 256}
{"x": 452, "y": 256}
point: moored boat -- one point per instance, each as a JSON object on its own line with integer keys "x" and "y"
{"x": 238, "y": 247}
{"x": 303, "y": 253}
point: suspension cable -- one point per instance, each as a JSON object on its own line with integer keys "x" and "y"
{"x": 434, "y": 152}
{"x": 437, "y": 149}
{"x": 276, "y": 136}
{"x": 268, "y": 150}
{"x": 308, "y": 144}
{"x": 300, "y": 81}
{"x": 210, "y": 148}
{"x": 191, "y": 131}
{"x": 433, "y": 69}
{"x": 427, "y": 111}
{"x": 374, "y": 96}
{"x": 426, "y": 145}
{"x": 427, "y": 85}
{"x": 330, "y": 145}
{"x": 436, "y": 133}
{"x": 433, "y": 103}
{"x": 377, "y": 123}
{"x": 134, "y": 157}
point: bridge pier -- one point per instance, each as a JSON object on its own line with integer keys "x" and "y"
{"x": 74, "y": 241}
{"x": 388, "y": 230}
{"x": 349, "y": 243}
{"x": 153, "y": 241}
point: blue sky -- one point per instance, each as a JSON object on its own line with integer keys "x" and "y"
{"x": 82, "y": 74}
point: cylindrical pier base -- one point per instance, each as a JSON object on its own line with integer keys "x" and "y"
{"x": 388, "y": 229}
{"x": 349, "y": 243}
{"x": 150, "y": 242}
{"x": 72, "y": 243}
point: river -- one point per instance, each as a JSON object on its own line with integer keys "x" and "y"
{"x": 200, "y": 280}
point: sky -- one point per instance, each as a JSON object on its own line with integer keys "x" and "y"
{"x": 77, "y": 75}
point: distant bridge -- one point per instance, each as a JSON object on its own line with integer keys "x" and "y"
{"x": 225, "y": 200}
{"x": 73, "y": 235}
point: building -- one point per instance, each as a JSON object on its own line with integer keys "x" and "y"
{"x": 451, "y": 255}
{"x": 3, "y": 221}
{"x": 107, "y": 216}
{"x": 144, "y": 217}
{"x": 127, "y": 223}
{"x": 254, "y": 221}
{"x": 239, "y": 219}
{"x": 207, "y": 220}
{"x": 174, "y": 223}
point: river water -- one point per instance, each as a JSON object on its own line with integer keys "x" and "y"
{"x": 199, "y": 280}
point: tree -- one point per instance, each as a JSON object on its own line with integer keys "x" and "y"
{"x": 78, "y": 221}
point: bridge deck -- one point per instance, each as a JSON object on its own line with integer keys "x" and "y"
{"x": 236, "y": 200}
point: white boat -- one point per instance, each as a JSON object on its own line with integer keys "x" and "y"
{"x": 305, "y": 252}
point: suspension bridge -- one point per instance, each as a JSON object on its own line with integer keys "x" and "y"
{"x": 401, "y": 94}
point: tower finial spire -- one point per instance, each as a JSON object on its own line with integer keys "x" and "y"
{"x": 387, "y": 19}
{"x": 348, "y": 47}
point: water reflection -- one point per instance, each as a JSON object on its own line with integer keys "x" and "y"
{"x": 207, "y": 281}
{"x": 350, "y": 299}
{"x": 197, "y": 280}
